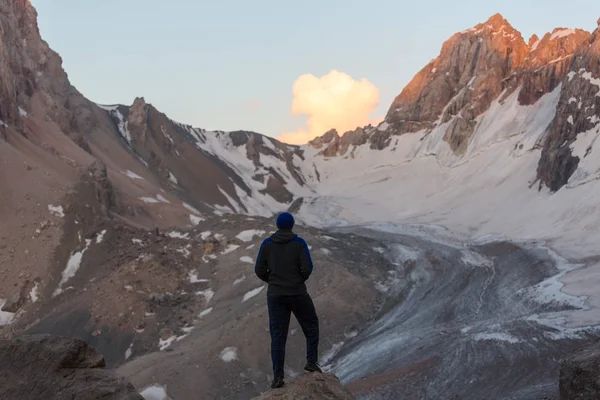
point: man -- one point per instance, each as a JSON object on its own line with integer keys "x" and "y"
{"x": 284, "y": 262}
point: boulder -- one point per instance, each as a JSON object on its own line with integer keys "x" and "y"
{"x": 42, "y": 367}
{"x": 310, "y": 387}
{"x": 580, "y": 376}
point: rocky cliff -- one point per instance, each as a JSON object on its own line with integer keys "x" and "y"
{"x": 53, "y": 368}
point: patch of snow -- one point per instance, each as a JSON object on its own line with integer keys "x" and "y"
{"x": 251, "y": 247}
{"x": 328, "y": 356}
{"x": 162, "y": 199}
{"x": 326, "y": 251}
{"x": 33, "y": 294}
{"x": 205, "y": 235}
{"x": 178, "y": 235}
{"x": 247, "y": 259}
{"x": 191, "y": 209}
{"x": 497, "y": 336}
{"x": 133, "y": 175}
{"x": 195, "y": 220}
{"x": 536, "y": 45}
{"x": 252, "y": 293}
{"x": 56, "y": 210}
{"x": 129, "y": 351}
{"x": 163, "y": 344}
{"x": 154, "y": 393}
{"x": 72, "y": 266}
{"x": 172, "y": 178}
{"x": 193, "y": 278}
{"x": 205, "y": 312}
{"x": 100, "y": 237}
{"x": 570, "y": 119}
{"x": 208, "y": 294}
{"x": 5, "y": 317}
{"x": 247, "y": 236}
{"x": 562, "y": 33}
{"x": 185, "y": 250}
{"x": 22, "y": 112}
{"x": 230, "y": 248}
{"x": 239, "y": 280}
{"x": 383, "y": 127}
{"x": 137, "y": 241}
{"x": 149, "y": 200}
{"x": 228, "y": 354}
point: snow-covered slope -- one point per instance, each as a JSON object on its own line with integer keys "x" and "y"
{"x": 490, "y": 190}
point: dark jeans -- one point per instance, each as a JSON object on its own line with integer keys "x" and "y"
{"x": 280, "y": 310}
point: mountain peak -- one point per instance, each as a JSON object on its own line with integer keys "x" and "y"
{"x": 497, "y": 21}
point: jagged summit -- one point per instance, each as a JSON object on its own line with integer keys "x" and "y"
{"x": 497, "y": 20}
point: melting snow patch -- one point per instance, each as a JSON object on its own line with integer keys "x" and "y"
{"x": 163, "y": 344}
{"x": 162, "y": 199}
{"x": 133, "y": 175}
{"x": 185, "y": 250}
{"x": 501, "y": 337}
{"x": 193, "y": 277}
{"x": 22, "y": 112}
{"x": 228, "y": 354}
{"x": 5, "y": 317}
{"x": 191, "y": 209}
{"x": 149, "y": 200}
{"x": 570, "y": 119}
{"x": 252, "y": 293}
{"x": 475, "y": 259}
{"x": 34, "y": 293}
{"x": 195, "y": 220}
{"x": 154, "y": 393}
{"x": 247, "y": 236}
{"x": 129, "y": 351}
{"x": 230, "y": 248}
{"x": 208, "y": 294}
{"x": 72, "y": 266}
{"x": 100, "y": 237}
{"x": 239, "y": 280}
{"x": 205, "y": 235}
{"x": 205, "y": 312}
{"x": 247, "y": 259}
{"x": 562, "y": 33}
{"x": 178, "y": 235}
{"x": 56, "y": 210}
{"x": 137, "y": 241}
{"x": 172, "y": 178}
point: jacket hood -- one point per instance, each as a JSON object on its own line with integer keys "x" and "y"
{"x": 282, "y": 236}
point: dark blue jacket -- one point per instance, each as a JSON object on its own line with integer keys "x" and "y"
{"x": 284, "y": 263}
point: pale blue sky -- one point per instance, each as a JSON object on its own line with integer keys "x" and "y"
{"x": 231, "y": 64}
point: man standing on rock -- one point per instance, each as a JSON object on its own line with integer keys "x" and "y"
{"x": 284, "y": 262}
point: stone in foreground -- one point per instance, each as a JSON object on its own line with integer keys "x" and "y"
{"x": 580, "y": 376}
{"x": 42, "y": 367}
{"x": 313, "y": 386}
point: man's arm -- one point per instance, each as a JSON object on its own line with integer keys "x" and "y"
{"x": 306, "y": 264}
{"x": 261, "y": 269}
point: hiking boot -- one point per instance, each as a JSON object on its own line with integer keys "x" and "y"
{"x": 277, "y": 383}
{"x": 313, "y": 367}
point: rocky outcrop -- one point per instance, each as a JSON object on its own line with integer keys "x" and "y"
{"x": 310, "y": 387}
{"x": 577, "y": 112}
{"x": 44, "y": 367}
{"x": 461, "y": 83}
{"x": 580, "y": 376}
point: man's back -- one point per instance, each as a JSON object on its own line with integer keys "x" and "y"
{"x": 284, "y": 263}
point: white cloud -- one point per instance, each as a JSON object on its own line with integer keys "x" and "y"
{"x": 333, "y": 101}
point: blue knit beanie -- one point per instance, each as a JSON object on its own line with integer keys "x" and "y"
{"x": 285, "y": 221}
